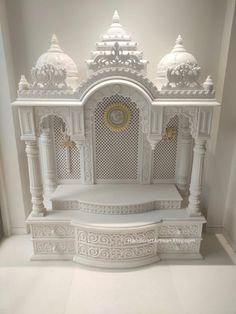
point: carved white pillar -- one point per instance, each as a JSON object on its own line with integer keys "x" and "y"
{"x": 184, "y": 154}
{"x": 36, "y": 187}
{"x": 48, "y": 162}
{"x": 199, "y": 152}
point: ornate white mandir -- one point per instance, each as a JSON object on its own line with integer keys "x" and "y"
{"x": 116, "y": 161}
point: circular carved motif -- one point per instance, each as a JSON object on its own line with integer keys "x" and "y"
{"x": 117, "y": 116}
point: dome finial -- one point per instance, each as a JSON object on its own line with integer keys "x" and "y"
{"x": 179, "y": 40}
{"x": 179, "y": 45}
{"x": 54, "y": 40}
{"x": 54, "y": 47}
{"x": 116, "y": 18}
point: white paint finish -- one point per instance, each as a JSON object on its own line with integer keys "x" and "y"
{"x": 220, "y": 199}
{"x": 14, "y": 168}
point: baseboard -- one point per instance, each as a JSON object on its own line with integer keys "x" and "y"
{"x": 221, "y": 230}
{"x": 213, "y": 230}
{"x": 229, "y": 239}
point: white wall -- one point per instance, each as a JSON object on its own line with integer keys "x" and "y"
{"x": 222, "y": 202}
{"x": 14, "y": 190}
{"x": 154, "y": 24}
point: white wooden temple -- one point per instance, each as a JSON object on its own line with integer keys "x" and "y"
{"x": 115, "y": 161}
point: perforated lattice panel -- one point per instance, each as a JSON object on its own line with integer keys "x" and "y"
{"x": 116, "y": 152}
{"x": 67, "y": 162}
{"x": 164, "y": 157}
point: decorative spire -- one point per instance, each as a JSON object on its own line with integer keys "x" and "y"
{"x": 116, "y": 18}
{"x": 208, "y": 84}
{"x": 179, "y": 40}
{"x": 54, "y": 47}
{"x": 23, "y": 84}
{"x": 179, "y": 45}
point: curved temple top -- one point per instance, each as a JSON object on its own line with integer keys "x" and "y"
{"x": 116, "y": 57}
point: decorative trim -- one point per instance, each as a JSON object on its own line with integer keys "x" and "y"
{"x": 113, "y": 238}
{"x": 116, "y": 254}
{"x": 108, "y": 74}
{"x": 54, "y": 230}
{"x": 180, "y": 230}
{"x": 58, "y": 247}
{"x": 178, "y": 245}
{"x": 115, "y": 209}
{"x": 117, "y": 57}
{"x": 191, "y": 93}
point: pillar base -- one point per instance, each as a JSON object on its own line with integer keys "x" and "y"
{"x": 192, "y": 213}
{"x": 39, "y": 214}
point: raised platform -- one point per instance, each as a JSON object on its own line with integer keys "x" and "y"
{"x": 116, "y": 198}
{"x": 116, "y": 241}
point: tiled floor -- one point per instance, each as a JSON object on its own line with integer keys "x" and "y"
{"x": 201, "y": 287}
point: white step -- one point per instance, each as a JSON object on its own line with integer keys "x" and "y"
{"x": 116, "y": 198}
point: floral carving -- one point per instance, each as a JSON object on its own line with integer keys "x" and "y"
{"x": 116, "y": 254}
{"x": 178, "y": 245}
{"x": 52, "y": 230}
{"x": 116, "y": 58}
{"x": 118, "y": 239}
{"x": 54, "y": 247}
{"x": 184, "y": 230}
{"x": 184, "y": 75}
{"x": 49, "y": 77}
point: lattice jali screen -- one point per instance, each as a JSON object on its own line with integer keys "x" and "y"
{"x": 164, "y": 156}
{"x": 116, "y": 152}
{"x": 63, "y": 173}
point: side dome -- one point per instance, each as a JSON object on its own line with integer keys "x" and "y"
{"x": 56, "y": 57}
{"x": 177, "y": 56}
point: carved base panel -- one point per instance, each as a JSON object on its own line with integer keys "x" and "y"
{"x": 115, "y": 241}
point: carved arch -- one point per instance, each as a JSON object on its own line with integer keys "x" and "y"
{"x": 191, "y": 113}
{"x": 138, "y": 98}
{"x": 113, "y": 76}
{"x": 142, "y": 103}
{"x": 43, "y": 112}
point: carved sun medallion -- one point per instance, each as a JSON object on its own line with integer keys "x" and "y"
{"x": 117, "y": 116}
